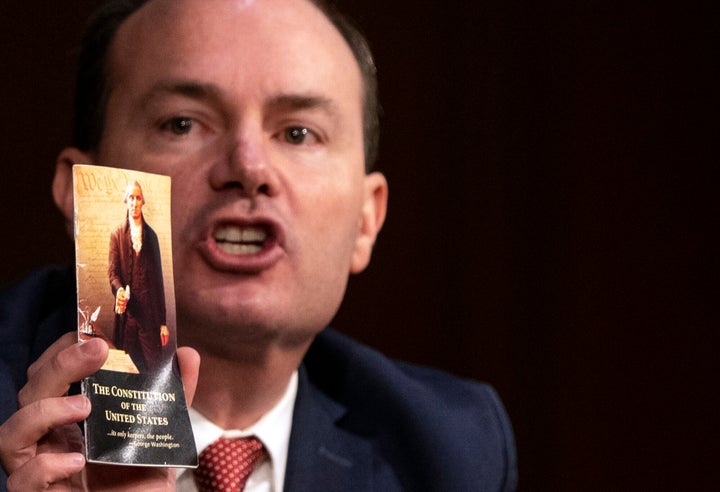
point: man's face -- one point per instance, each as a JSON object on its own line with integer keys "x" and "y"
{"x": 135, "y": 202}
{"x": 255, "y": 110}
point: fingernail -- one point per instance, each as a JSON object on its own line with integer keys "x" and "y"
{"x": 77, "y": 401}
{"x": 91, "y": 347}
{"x": 76, "y": 459}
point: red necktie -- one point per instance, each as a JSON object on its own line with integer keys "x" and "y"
{"x": 226, "y": 464}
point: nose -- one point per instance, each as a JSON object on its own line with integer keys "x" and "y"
{"x": 245, "y": 167}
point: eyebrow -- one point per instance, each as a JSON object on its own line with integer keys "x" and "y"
{"x": 212, "y": 93}
{"x": 299, "y": 102}
{"x": 187, "y": 88}
{"x": 201, "y": 91}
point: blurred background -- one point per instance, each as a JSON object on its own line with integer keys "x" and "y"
{"x": 553, "y": 222}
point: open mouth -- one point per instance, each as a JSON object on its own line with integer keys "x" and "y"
{"x": 237, "y": 240}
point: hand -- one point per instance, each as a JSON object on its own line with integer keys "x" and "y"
{"x": 41, "y": 444}
{"x": 164, "y": 335}
{"x": 121, "y": 300}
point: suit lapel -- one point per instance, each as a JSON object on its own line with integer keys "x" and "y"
{"x": 323, "y": 456}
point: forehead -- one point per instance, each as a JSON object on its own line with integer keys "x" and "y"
{"x": 268, "y": 45}
{"x": 134, "y": 192}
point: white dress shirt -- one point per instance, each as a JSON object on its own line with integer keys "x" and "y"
{"x": 273, "y": 429}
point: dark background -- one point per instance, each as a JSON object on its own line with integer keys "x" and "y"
{"x": 552, "y": 224}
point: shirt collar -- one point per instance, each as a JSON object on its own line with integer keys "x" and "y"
{"x": 273, "y": 429}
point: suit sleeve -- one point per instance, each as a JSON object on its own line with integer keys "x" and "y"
{"x": 115, "y": 262}
{"x": 159, "y": 287}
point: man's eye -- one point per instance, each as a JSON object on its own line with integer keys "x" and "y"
{"x": 180, "y": 125}
{"x": 297, "y": 135}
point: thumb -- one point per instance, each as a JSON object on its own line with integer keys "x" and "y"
{"x": 189, "y": 362}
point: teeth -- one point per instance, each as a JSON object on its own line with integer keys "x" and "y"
{"x": 240, "y": 249}
{"x": 236, "y": 234}
{"x": 237, "y": 240}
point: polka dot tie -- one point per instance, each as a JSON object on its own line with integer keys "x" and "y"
{"x": 226, "y": 464}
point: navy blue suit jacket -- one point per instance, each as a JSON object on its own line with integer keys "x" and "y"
{"x": 362, "y": 422}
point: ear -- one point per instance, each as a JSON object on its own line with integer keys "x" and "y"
{"x": 62, "y": 186}
{"x": 371, "y": 220}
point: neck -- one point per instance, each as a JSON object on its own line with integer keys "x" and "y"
{"x": 235, "y": 392}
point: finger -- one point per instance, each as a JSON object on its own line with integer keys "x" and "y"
{"x": 111, "y": 478}
{"x": 62, "y": 368}
{"x": 44, "y": 470}
{"x": 60, "y": 344}
{"x": 20, "y": 433}
{"x": 189, "y": 362}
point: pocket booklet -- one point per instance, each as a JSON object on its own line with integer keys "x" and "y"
{"x": 125, "y": 296}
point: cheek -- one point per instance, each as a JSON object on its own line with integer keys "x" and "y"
{"x": 184, "y": 210}
{"x": 336, "y": 219}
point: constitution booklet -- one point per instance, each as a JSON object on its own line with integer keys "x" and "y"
{"x": 125, "y": 296}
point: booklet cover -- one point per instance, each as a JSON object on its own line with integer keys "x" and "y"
{"x": 126, "y": 297}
